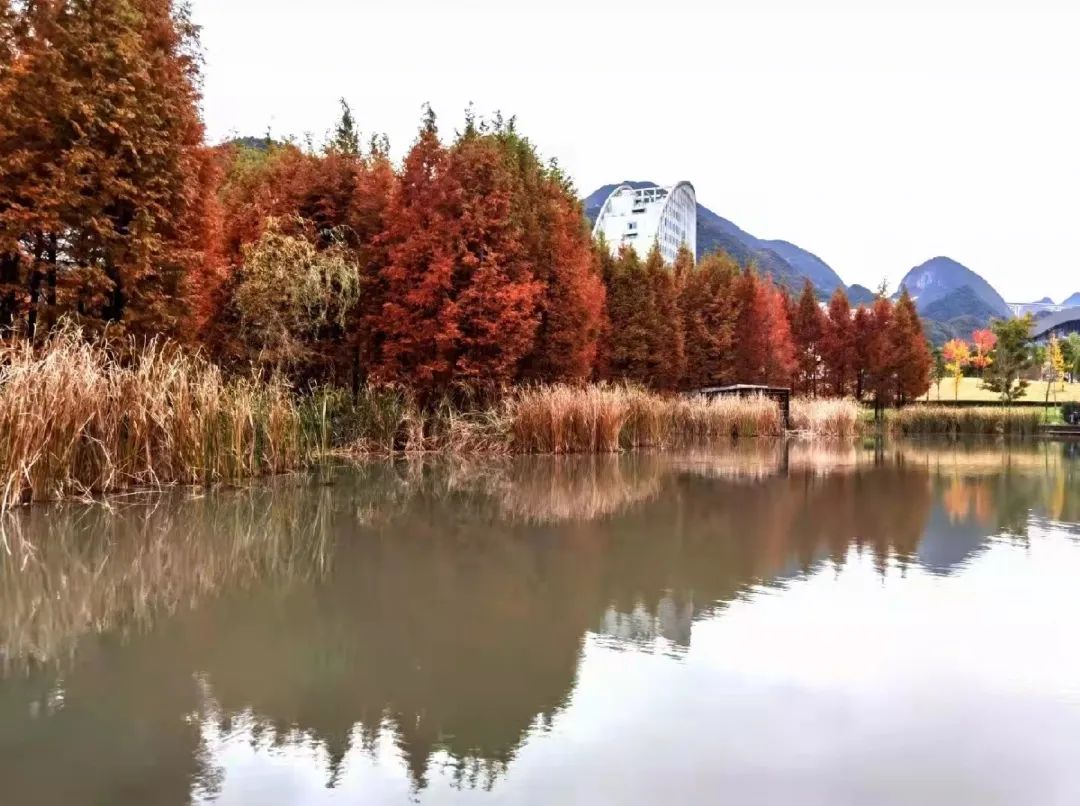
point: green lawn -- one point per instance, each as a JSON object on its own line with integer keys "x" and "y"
{"x": 971, "y": 389}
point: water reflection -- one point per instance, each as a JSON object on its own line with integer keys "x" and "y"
{"x": 434, "y": 616}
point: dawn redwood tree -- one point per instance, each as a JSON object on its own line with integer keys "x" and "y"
{"x": 631, "y": 330}
{"x": 572, "y": 302}
{"x": 807, "y": 331}
{"x": 461, "y": 297}
{"x": 782, "y": 360}
{"x": 606, "y": 266}
{"x": 667, "y": 340}
{"x": 556, "y": 242}
{"x": 910, "y": 351}
{"x": 838, "y": 345}
{"x": 101, "y": 164}
{"x": 763, "y": 352}
{"x": 708, "y": 311}
{"x": 751, "y": 348}
{"x": 862, "y": 327}
{"x": 880, "y": 377}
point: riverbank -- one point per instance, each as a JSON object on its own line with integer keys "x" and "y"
{"x": 78, "y": 420}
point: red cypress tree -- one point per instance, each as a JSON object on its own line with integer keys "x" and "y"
{"x": 100, "y": 165}
{"x": 807, "y": 330}
{"x": 781, "y": 356}
{"x": 763, "y": 351}
{"x": 838, "y": 345}
{"x": 572, "y": 303}
{"x": 863, "y": 327}
{"x": 557, "y": 243}
{"x": 880, "y": 379}
{"x": 910, "y": 352}
{"x": 709, "y": 311}
{"x": 461, "y": 297}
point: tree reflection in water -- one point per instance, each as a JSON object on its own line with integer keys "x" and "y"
{"x": 444, "y": 604}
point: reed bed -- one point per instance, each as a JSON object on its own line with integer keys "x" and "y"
{"x": 825, "y": 417}
{"x": 599, "y": 419}
{"x": 80, "y": 419}
{"x": 555, "y": 419}
{"x": 953, "y": 421}
{"x": 75, "y": 420}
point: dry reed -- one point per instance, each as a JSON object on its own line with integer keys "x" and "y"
{"x": 835, "y": 417}
{"x": 954, "y": 421}
{"x": 599, "y": 419}
{"x": 76, "y": 420}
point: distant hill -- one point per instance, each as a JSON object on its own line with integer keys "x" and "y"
{"x": 956, "y": 314}
{"x": 786, "y": 262}
{"x": 860, "y": 295}
{"x": 1072, "y": 302}
{"x": 962, "y": 301}
{"x": 936, "y": 278}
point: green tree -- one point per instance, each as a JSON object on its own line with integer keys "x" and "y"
{"x": 1070, "y": 351}
{"x": 346, "y": 139}
{"x": 667, "y": 336}
{"x": 287, "y": 291}
{"x": 1012, "y": 358}
{"x": 937, "y": 370}
{"x": 632, "y": 343}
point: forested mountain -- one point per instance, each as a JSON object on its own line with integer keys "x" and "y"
{"x": 929, "y": 282}
{"x": 860, "y": 295}
{"x": 956, "y": 314}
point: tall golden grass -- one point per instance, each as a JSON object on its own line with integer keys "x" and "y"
{"x": 826, "y": 417}
{"x": 954, "y": 421}
{"x": 76, "y": 420}
{"x": 558, "y": 419}
{"x": 563, "y": 419}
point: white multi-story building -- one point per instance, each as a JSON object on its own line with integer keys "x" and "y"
{"x": 667, "y": 215}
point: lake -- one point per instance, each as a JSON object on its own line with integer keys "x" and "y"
{"x": 766, "y": 623}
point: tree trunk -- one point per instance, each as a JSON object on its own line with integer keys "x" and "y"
{"x": 36, "y": 276}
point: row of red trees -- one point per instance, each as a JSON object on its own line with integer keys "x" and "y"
{"x": 470, "y": 265}
{"x": 687, "y": 327}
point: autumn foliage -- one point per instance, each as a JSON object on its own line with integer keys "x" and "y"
{"x": 105, "y": 186}
{"x": 467, "y": 269}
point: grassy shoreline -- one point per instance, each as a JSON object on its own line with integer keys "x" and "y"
{"x": 77, "y": 420}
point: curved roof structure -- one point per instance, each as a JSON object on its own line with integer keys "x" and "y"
{"x": 641, "y": 216}
{"x": 1061, "y": 323}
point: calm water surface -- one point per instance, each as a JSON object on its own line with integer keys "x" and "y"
{"x": 771, "y": 624}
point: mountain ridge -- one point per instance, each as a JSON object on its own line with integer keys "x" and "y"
{"x": 939, "y": 276}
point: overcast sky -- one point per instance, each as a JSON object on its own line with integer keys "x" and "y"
{"x": 874, "y": 139}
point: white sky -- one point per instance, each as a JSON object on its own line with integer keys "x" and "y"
{"x": 876, "y": 139}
